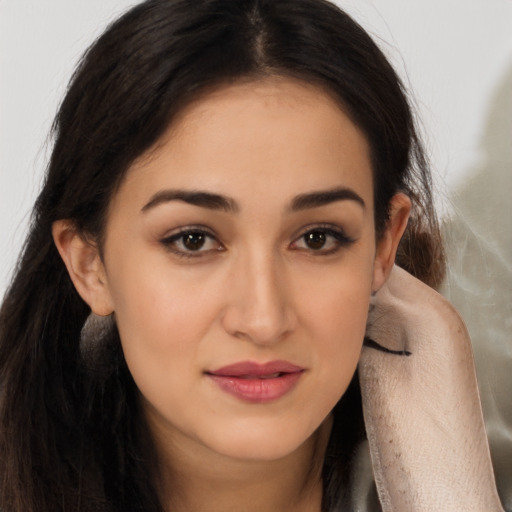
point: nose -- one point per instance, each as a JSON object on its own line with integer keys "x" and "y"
{"x": 259, "y": 308}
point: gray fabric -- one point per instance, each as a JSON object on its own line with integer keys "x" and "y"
{"x": 422, "y": 412}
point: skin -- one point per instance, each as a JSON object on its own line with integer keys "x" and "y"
{"x": 257, "y": 290}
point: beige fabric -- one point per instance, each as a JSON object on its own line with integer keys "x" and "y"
{"x": 422, "y": 412}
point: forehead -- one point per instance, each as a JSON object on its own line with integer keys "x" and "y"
{"x": 278, "y": 137}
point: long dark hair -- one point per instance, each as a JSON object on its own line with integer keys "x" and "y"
{"x": 72, "y": 437}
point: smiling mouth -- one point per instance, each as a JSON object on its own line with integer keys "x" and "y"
{"x": 257, "y": 383}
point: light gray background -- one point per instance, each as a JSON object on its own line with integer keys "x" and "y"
{"x": 456, "y": 58}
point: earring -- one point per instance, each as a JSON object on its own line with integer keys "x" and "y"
{"x": 96, "y": 342}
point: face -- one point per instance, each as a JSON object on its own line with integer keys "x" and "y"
{"x": 239, "y": 261}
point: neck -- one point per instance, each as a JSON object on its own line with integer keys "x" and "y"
{"x": 195, "y": 480}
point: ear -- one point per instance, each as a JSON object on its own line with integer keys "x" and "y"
{"x": 387, "y": 245}
{"x": 84, "y": 265}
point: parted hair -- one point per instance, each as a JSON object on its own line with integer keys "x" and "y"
{"x": 72, "y": 436}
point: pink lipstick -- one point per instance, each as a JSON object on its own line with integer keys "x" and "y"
{"x": 257, "y": 383}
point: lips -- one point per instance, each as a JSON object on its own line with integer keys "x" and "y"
{"x": 257, "y": 383}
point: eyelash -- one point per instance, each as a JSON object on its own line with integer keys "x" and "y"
{"x": 339, "y": 236}
{"x": 340, "y": 239}
{"x": 169, "y": 242}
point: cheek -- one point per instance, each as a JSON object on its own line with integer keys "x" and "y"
{"x": 162, "y": 318}
{"x": 158, "y": 304}
{"x": 344, "y": 328}
{"x": 336, "y": 311}
{"x": 337, "y": 296}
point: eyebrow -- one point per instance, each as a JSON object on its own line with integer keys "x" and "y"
{"x": 222, "y": 203}
{"x": 194, "y": 197}
{"x": 325, "y": 197}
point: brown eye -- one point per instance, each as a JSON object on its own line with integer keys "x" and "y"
{"x": 322, "y": 240}
{"x": 315, "y": 239}
{"x": 194, "y": 241}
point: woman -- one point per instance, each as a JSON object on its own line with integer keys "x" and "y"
{"x": 229, "y": 186}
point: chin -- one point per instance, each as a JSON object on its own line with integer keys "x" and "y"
{"x": 259, "y": 442}
{"x": 258, "y": 451}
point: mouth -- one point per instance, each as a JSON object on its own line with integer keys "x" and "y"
{"x": 257, "y": 383}
{"x": 271, "y": 376}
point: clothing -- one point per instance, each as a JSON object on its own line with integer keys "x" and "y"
{"x": 424, "y": 423}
